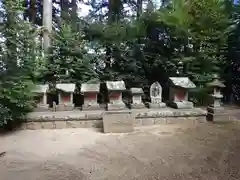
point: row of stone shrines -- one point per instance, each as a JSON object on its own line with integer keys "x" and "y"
{"x": 178, "y": 95}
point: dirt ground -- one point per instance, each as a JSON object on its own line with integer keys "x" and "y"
{"x": 165, "y": 152}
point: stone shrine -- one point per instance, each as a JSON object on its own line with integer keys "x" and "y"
{"x": 215, "y": 109}
{"x": 41, "y": 96}
{"x": 137, "y": 98}
{"x": 65, "y": 97}
{"x": 90, "y": 92}
{"x": 178, "y": 92}
{"x": 156, "y": 96}
{"x": 115, "y": 89}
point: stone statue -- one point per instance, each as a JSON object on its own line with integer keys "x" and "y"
{"x": 156, "y": 96}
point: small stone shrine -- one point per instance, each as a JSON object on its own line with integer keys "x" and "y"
{"x": 215, "y": 109}
{"x": 115, "y": 89}
{"x": 156, "y": 96}
{"x": 137, "y": 98}
{"x": 90, "y": 92}
{"x": 65, "y": 97}
{"x": 178, "y": 92}
{"x": 41, "y": 97}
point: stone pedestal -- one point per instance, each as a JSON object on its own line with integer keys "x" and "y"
{"x": 64, "y": 107}
{"x": 156, "y": 103}
{"x": 137, "y": 98}
{"x": 118, "y": 122}
{"x": 181, "y": 104}
{"x": 215, "y": 113}
{"x": 42, "y": 108}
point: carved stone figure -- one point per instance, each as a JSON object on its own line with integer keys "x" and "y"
{"x": 156, "y": 96}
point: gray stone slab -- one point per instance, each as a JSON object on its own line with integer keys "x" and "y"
{"x": 118, "y": 122}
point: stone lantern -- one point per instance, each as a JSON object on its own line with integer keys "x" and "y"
{"x": 215, "y": 109}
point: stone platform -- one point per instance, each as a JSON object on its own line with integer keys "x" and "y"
{"x": 94, "y": 119}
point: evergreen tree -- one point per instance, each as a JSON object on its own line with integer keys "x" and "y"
{"x": 17, "y": 64}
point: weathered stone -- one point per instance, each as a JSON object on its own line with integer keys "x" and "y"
{"x": 176, "y": 120}
{"x": 115, "y": 89}
{"x": 48, "y": 125}
{"x": 137, "y": 98}
{"x": 60, "y": 124}
{"x": 148, "y": 121}
{"x": 41, "y": 95}
{"x": 160, "y": 121}
{"x": 118, "y": 122}
{"x": 90, "y": 92}
{"x": 72, "y": 124}
{"x": 98, "y": 124}
{"x": 156, "y": 96}
{"x": 65, "y": 97}
{"x": 30, "y": 125}
{"x": 138, "y": 122}
{"x": 179, "y": 92}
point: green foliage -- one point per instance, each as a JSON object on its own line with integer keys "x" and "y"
{"x": 17, "y": 64}
{"x": 69, "y": 61}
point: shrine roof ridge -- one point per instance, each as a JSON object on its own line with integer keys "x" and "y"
{"x": 116, "y": 85}
{"x": 183, "y": 82}
{"x": 41, "y": 88}
{"x": 66, "y": 87}
{"x": 93, "y": 87}
{"x": 136, "y": 90}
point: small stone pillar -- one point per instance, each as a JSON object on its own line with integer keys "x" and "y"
{"x": 65, "y": 97}
{"x": 156, "y": 96}
{"x": 178, "y": 92}
{"x": 90, "y": 92}
{"x": 41, "y": 96}
{"x": 215, "y": 110}
{"x": 115, "y": 89}
{"x": 137, "y": 98}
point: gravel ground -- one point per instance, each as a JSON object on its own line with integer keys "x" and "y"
{"x": 166, "y": 152}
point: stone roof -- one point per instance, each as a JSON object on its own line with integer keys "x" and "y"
{"x": 116, "y": 85}
{"x": 136, "y": 90}
{"x": 216, "y": 83}
{"x": 90, "y": 87}
{"x": 183, "y": 82}
{"x": 66, "y": 87}
{"x": 41, "y": 88}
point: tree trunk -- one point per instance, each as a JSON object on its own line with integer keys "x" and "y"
{"x": 32, "y": 11}
{"x": 47, "y": 23}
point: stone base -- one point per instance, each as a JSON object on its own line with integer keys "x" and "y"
{"x": 215, "y": 113}
{"x": 137, "y": 106}
{"x": 118, "y": 122}
{"x": 91, "y": 107}
{"x": 157, "y": 106}
{"x": 119, "y": 106}
{"x": 65, "y": 107}
{"x": 41, "y": 108}
{"x": 181, "y": 105}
